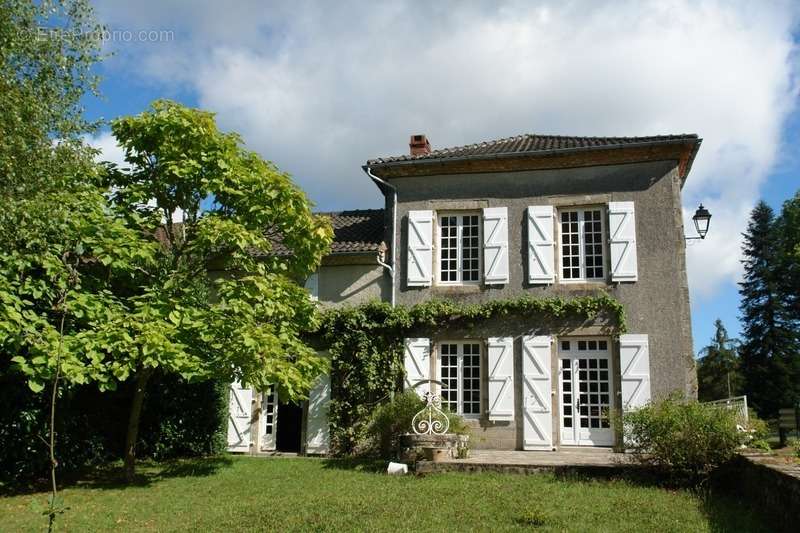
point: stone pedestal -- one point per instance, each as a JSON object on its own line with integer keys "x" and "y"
{"x": 412, "y": 446}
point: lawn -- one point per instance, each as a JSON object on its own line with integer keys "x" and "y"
{"x": 252, "y": 494}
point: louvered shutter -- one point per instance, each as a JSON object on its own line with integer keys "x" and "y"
{"x": 634, "y": 357}
{"x": 536, "y": 398}
{"x": 495, "y": 245}
{"x": 622, "y": 241}
{"x": 541, "y": 245}
{"x": 501, "y": 378}
{"x": 419, "y": 263}
{"x": 417, "y": 364}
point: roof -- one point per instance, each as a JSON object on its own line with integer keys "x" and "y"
{"x": 356, "y": 231}
{"x": 533, "y": 144}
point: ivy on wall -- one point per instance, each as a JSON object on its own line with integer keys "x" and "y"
{"x": 365, "y": 344}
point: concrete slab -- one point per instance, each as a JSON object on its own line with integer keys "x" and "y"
{"x": 531, "y": 461}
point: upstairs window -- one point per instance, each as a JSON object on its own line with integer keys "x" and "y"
{"x": 582, "y": 245}
{"x": 459, "y": 248}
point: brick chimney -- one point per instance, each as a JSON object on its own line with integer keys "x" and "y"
{"x": 419, "y": 145}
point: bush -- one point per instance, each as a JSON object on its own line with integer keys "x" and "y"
{"x": 795, "y": 445}
{"x": 687, "y": 438}
{"x": 393, "y": 419}
{"x": 179, "y": 419}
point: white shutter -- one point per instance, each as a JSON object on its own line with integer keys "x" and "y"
{"x": 417, "y": 364}
{"x": 317, "y": 430}
{"x": 239, "y": 417}
{"x": 312, "y": 285}
{"x": 634, "y": 358}
{"x": 419, "y": 259}
{"x": 501, "y": 378}
{"x": 495, "y": 245}
{"x": 541, "y": 244}
{"x": 622, "y": 241}
{"x": 536, "y": 395}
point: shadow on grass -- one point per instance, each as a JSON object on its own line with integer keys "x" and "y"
{"x": 359, "y": 464}
{"x": 726, "y": 510}
{"x": 112, "y": 476}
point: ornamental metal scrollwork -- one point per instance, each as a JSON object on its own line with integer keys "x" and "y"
{"x": 431, "y": 420}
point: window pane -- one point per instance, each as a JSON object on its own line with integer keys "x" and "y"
{"x": 449, "y": 375}
{"x": 570, "y": 239}
{"x": 471, "y": 387}
{"x": 593, "y": 251}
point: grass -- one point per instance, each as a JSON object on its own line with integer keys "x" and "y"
{"x": 252, "y": 494}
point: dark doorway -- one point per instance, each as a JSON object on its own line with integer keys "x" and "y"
{"x": 290, "y": 417}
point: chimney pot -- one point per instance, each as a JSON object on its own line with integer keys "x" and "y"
{"x": 419, "y": 145}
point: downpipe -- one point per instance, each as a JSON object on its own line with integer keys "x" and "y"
{"x": 381, "y": 262}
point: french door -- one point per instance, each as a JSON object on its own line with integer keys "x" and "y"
{"x": 585, "y": 391}
{"x": 269, "y": 419}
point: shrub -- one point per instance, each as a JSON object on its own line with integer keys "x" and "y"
{"x": 393, "y": 419}
{"x": 180, "y": 419}
{"x": 795, "y": 445}
{"x": 687, "y": 438}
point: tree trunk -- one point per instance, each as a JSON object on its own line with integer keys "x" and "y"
{"x": 142, "y": 377}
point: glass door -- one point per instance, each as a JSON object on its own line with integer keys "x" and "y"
{"x": 585, "y": 392}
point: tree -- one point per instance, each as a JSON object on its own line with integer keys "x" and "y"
{"x": 44, "y": 163}
{"x": 787, "y": 229}
{"x": 768, "y": 341}
{"x": 45, "y": 71}
{"x": 220, "y": 300}
{"x": 718, "y": 371}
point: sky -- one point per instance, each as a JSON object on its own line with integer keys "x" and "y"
{"x": 320, "y": 87}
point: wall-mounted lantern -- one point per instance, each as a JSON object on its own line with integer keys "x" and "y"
{"x": 702, "y": 219}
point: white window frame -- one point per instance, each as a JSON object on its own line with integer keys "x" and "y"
{"x": 581, "y": 210}
{"x": 460, "y": 377}
{"x": 460, "y": 267}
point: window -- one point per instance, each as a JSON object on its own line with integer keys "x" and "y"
{"x": 459, "y": 248}
{"x": 460, "y": 374}
{"x": 582, "y": 245}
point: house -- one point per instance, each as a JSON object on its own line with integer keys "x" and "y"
{"x": 536, "y": 215}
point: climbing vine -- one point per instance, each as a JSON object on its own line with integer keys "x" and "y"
{"x": 365, "y": 344}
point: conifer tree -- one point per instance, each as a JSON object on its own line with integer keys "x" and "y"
{"x": 768, "y": 342}
{"x": 718, "y": 371}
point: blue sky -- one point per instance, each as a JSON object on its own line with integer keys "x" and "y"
{"x": 319, "y": 88}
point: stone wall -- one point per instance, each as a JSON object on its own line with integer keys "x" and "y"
{"x": 762, "y": 484}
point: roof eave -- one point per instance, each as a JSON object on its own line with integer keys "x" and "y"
{"x": 377, "y": 165}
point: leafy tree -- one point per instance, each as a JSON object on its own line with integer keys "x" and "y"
{"x": 220, "y": 300}
{"x": 718, "y": 370}
{"x": 45, "y": 70}
{"x": 45, "y": 64}
{"x": 768, "y": 341}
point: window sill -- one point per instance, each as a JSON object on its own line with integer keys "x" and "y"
{"x": 584, "y": 285}
{"x": 457, "y": 289}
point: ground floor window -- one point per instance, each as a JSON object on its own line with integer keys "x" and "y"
{"x": 460, "y": 374}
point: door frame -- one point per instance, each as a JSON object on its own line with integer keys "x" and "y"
{"x": 603, "y": 437}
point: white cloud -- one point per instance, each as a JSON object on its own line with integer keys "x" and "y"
{"x": 109, "y": 149}
{"x": 321, "y": 87}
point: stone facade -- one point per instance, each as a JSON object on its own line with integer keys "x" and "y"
{"x": 657, "y": 304}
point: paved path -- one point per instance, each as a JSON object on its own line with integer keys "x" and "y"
{"x": 562, "y": 457}
{"x": 574, "y": 459}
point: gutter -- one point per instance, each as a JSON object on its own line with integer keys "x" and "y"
{"x": 383, "y": 185}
